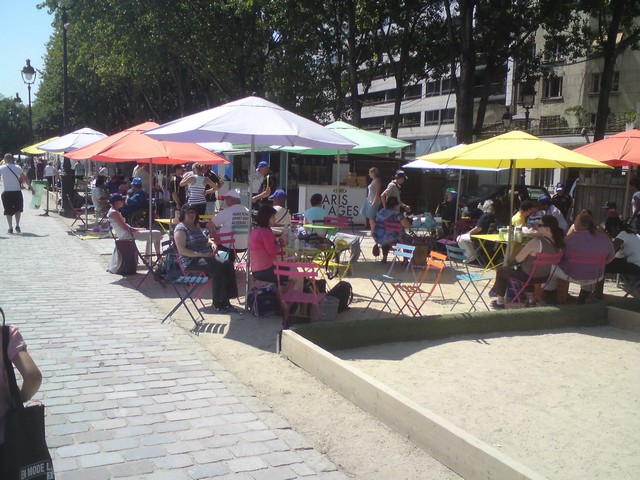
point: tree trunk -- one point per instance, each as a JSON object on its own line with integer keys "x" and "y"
{"x": 464, "y": 96}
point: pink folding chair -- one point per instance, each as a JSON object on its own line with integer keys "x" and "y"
{"x": 541, "y": 262}
{"x": 288, "y": 296}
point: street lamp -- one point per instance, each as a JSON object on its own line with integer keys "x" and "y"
{"x": 507, "y": 119}
{"x": 29, "y": 77}
{"x": 527, "y": 99}
{"x": 65, "y": 82}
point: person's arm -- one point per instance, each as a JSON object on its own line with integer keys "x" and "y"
{"x": 405, "y": 223}
{"x": 31, "y": 376}
{"x": 190, "y": 180}
{"x": 475, "y": 230}
{"x": 180, "y": 237}
{"x": 117, "y": 217}
{"x": 24, "y": 179}
{"x": 528, "y": 249}
{"x": 383, "y": 197}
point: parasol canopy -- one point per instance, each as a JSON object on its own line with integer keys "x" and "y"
{"x": 72, "y": 141}
{"x": 34, "y": 150}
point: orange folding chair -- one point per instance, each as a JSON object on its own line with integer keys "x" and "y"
{"x": 290, "y": 297}
{"x": 409, "y": 291}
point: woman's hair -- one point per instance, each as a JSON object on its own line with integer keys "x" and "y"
{"x": 183, "y": 211}
{"x": 392, "y": 202}
{"x": 100, "y": 180}
{"x": 316, "y": 199}
{"x": 614, "y": 225}
{"x": 264, "y": 215}
{"x": 584, "y": 221}
{"x": 375, "y": 172}
{"x": 197, "y": 168}
{"x": 557, "y": 234}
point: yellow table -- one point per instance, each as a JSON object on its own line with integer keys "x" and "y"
{"x": 165, "y": 223}
{"x": 302, "y": 254}
{"x": 483, "y": 240}
{"x": 329, "y": 229}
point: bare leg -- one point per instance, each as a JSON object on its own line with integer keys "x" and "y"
{"x": 18, "y": 215}
{"x": 372, "y": 223}
{"x": 9, "y": 220}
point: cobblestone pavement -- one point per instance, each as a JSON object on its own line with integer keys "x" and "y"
{"x": 126, "y": 396}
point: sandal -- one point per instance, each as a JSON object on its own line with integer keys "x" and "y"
{"x": 376, "y": 250}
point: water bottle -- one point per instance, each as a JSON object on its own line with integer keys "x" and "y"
{"x": 519, "y": 237}
{"x": 296, "y": 244}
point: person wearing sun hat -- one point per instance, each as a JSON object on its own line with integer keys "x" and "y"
{"x": 267, "y": 187}
{"x": 233, "y": 217}
{"x": 393, "y": 190}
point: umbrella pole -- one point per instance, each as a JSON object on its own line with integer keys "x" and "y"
{"x": 455, "y": 219}
{"x": 86, "y": 206}
{"x": 511, "y": 230}
{"x": 625, "y": 209}
{"x": 149, "y": 240}
{"x": 252, "y": 163}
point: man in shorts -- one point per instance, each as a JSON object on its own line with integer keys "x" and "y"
{"x": 12, "y": 180}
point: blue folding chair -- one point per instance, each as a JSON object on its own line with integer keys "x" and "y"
{"x": 467, "y": 279}
{"x": 383, "y": 283}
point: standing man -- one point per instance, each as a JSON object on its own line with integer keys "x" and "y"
{"x": 562, "y": 201}
{"x": 12, "y": 201}
{"x": 393, "y": 190}
{"x": 269, "y": 184}
{"x": 178, "y": 193}
{"x": 49, "y": 173}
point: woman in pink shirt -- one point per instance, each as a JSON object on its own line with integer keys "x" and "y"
{"x": 264, "y": 246}
{"x": 31, "y": 376}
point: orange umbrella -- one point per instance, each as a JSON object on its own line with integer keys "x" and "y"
{"x": 130, "y": 145}
{"x": 619, "y": 150}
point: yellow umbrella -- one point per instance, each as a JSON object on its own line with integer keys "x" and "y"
{"x": 34, "y": 150}
{"x": 513, "y": 150}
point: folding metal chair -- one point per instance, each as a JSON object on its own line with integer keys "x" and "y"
{"x": 409, "y": 291}
{"x": 467, "y": 279}
{"x": 633, "y": 288}
{"x": 382, "y": 283}
{"x": 542, "y": 260}
{"x": 290, "y": 297}
{"x": 341, "y": 222}
{"x": 78, "y": 212}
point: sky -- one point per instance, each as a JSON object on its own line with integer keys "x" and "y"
{"x": 24, "y": 34}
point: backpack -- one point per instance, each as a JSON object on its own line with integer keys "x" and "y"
{"x": 264, "y": 301}
{"x": 124, "y": 259}
{"x": 344, "y": 293}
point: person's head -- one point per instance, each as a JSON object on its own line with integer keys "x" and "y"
{"x": 279, "y": 197}
{"x": 400, "y": 177}
{"x": 178, "y": 170}
{"x": 197, "y": 169}
{"x": 548, "y": 226}
{"x": 188, "y": 214}
{"x": 527, "y": 207}
{"x": 560, "y": 188}
{"x": 488, "y": 207}
{"x": 452, "y": 196}
{"x": 8, "y": 158}
{"x": 544, "y": 201}
{"x": 232, "y": 197}
{"x": 614, "y": 225}
{"x": 262, "y": 168}
{"x": 266, "y": 216}
{"x": 373, "y": 172}
{"x": 116, "y": 200}
{"x": 316, "y": 200}
{"x": 136, "y": 183}
{"x": 393, "y": 203}
{"x": 584, "y": 221}
{"x": 100, "y": 181}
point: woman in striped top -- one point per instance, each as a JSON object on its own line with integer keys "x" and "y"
{"x": 199, "y": 185}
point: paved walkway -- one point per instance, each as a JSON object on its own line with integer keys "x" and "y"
{"x": 126, "y": 396}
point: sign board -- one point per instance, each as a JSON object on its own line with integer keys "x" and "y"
{"x": 337, "y": 201}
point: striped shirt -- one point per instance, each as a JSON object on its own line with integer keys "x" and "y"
{"x": 196, "y": 190}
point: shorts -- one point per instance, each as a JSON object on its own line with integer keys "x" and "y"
{"x": 12, "y": 202}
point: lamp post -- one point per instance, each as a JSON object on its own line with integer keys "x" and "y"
{"x": 65, "y": 83}
{"x": 29, "y": 77}
{"x": 527, "y": 99}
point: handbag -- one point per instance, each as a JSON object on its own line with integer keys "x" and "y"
{"x": 24, "y": 454}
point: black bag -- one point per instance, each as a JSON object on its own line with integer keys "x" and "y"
{"x": 25, "y": 455}
{"x": 321, "y": 286}
{"x": 344, "y": 293}
{"x": 264, "y": 301}
{"x": 124, "y": 259}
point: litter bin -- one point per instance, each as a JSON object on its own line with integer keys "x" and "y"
{"x": 39, "y": 187}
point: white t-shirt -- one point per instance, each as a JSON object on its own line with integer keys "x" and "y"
{"x": 283, "y": 216}
{"x": 48, "y": 170}
{"x": 234, "y": 216}
{"x": 10, "y": 181}
{"x": 630, "y": 249}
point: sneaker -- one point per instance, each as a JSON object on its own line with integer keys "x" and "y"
{"x": 376, "y": 250}
{"x": 18, "y": 230}
{"x": 10, "y": 230}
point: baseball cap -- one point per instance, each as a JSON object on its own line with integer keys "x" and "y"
{"x": 560, "y": 186}
{"x": 544, "y": 199}
{"x": 261, "y": 165}
{"x": 176, "y": 167}
{"x": 400, "y": 173}
{"x": 278, "y": 194}
{"x": 610, "y": 204}
{"x": 136, "y": 181}
{"x": 114, "y": 197}
{"x": 233, "y": 193}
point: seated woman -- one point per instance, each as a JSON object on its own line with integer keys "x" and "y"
{"x": 264, "y": 246}
{"x": 124, "y": 231}
{"x": 549, "y": 239}
{"x": 387, "y": 238}
{"x": 196, "y": 253}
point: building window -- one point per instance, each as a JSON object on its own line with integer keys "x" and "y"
{"x": 413, "y": 91}
{"x": 447, "y": 86}
{"x": 432, "y": 117}
{"x": 596, "y": 79}
{"x": 410, "y": 119}
{"x": 552, "y": 87}
{"x": 432, "y": 88}
{"x": 448, "y": 115}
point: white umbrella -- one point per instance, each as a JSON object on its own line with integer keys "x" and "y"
{"x": 72, "y": 141}
{"x": 252, "y": 120}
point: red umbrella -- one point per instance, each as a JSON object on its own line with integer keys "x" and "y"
{"x": 619, "y": 150}
{"x": 130, "y": 145}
